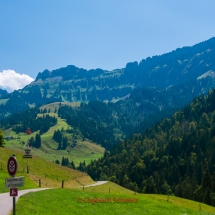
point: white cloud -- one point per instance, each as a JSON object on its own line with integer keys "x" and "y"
{"x": 10, "y": 80}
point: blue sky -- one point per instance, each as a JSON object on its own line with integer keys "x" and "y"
{"x": 49, "y": 34}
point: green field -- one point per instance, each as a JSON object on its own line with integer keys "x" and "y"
{"x": 49, "y": 173}
{"x": 73, "y": 200}
{"x": 98, "y": 200}
{"x": 84, "y": 150}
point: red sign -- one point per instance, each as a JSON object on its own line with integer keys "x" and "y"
{"x": 13, "y": 192}
{"x": 12, "y": 166}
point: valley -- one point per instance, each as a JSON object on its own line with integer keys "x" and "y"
{"x": 148, "y": 129}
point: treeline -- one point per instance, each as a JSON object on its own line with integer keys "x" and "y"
{"x": 61, "y": 138}
{"x": 35, "y": 141}
{"x": 106, "y": 123}
{"x": 93, "y": 120}
{"x": 176, "y": 156}
{"x": 65, "y": 162}
{"x": 28, "y": 119}
{"x": 65, "y": 137}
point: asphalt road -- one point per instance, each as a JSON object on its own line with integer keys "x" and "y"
{"x": 6, "y": 202}
{"x": 96, "y": 184}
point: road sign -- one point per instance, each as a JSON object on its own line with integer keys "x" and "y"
{"x": 27, "y": 153}
{"x": 12, "y": 166}
{"x": 13, "y": 192}
{"x": 14, "y": 182}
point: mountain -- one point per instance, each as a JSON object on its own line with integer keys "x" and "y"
{"x": 176, "y": 156}
{"x": 106, "y": 123}
{"x": 76, "y": 84}
{"x": 177, "y": 67}
{"x": 3, "y": 93}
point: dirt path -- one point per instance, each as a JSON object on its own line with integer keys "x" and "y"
{"x": 6, "y": 202}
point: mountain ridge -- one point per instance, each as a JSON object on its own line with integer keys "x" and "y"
{"x": 72, "y": 84}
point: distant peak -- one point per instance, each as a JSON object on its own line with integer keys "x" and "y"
{"x": 43, "y": 75}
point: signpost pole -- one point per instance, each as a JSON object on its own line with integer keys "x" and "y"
{"x": 13, "y": 182}
{"x": 14, "y": 205}
{"x": 12, "y": 167}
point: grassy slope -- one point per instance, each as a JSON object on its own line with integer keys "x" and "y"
{"x": 50, "y": 174}
{"x": 84, "y": 150}
{"x": 72, "y": 201}
{"x": 3, "y": 101}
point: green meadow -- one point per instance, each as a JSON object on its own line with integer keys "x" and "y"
{"x": 106, "y": 199}
{"x": 49, "y": 173}
{"x": 84, "y": 149}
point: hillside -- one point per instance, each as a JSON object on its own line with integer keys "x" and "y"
{"x": 50, "y": 174}
{"x": 107, "y": 123}
{"x": 76, "y": 149}
{"x": 175, "y": 156}
{"x": 73, "y": 84}
{"x": 113, "y": 200}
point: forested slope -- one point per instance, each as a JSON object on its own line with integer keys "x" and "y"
{"x": 175, "y": 156}
{"x": 106, "y": 123}
{"x": 19, "y": 122}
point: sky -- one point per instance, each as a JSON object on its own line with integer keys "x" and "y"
{"x": 107, "y": 34}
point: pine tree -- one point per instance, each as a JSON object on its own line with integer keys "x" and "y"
{"x": 72, "y": 164}
{"x": 37, "y": 141}
{"x": 2, "y": 142}
{"x": 206, "y": 180}
{"x": 63, "y": 161}
{"x": 207, "y": 197}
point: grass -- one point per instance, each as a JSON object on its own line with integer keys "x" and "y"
{"x": 3, "y": 101}
{"x": 77, "y": 201}
{"x": 50, "y": 174}
{"x": 56, "y": 105}
{"x": 84, "y": 150}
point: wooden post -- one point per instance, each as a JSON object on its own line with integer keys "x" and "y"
{"x": 83, "y": 187}
{"x": 62, "y": 183}
{"x": 27, "y": 166}
{"x": 200, "y": 207}
{"x": 167, "y": 198}
{"x": 1, "y": 166}
{"x": 109, "y": 189}
{"x": 39, "y": 183}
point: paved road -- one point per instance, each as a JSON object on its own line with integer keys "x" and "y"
{"x": 96, "y": 184}
{"x": 6, "y": 202}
